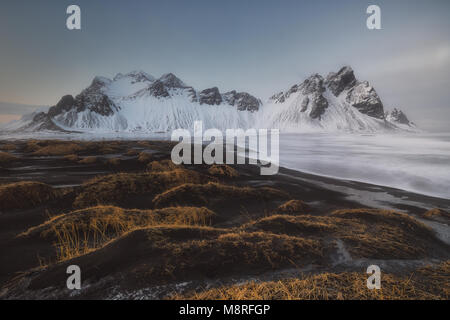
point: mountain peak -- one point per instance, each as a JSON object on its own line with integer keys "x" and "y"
{"x": 363, "y": 97}
{"x": 137, "y": 76}
{"x": 99, "y": 81}
{"x": 172, "y": 81}
{"x": 398, "y": 116}
{"x": 210, "y": 96}
{"x": 342, "y": 80}
{"x": 313, "y": 83}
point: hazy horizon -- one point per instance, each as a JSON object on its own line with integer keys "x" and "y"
{"x": 260, "y": 47}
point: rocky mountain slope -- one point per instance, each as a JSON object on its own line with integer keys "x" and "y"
{"x": 139, "y": 102}
{"x": 338, "y": 102}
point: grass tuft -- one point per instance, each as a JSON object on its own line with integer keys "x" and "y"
{"x": 72, "y": 157}
{"x": 22, "y": 195}
{"x": 162, "y": 165}
{"x": 82, "y": 231}
{"x": 88, "y": 160}
{"x": 212, "y": 193}
{"x": 56, "y": 149}
{"x": 223, "y": 171}
{"x": 114, "y": 162}
{"x": 293, "y": 207}
{"x": 6, "y": 158}
{"x": 115, "y": 188}
{"x": 145, "y": 157}
{"x": 383, "y": 234}
{"x": 436, "y": 213}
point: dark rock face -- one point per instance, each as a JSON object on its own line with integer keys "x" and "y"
{"x": 242, "y": 100}
{"x": 210, "y": 96}
{"x": 171, "y": 81}
{"x": 42, "y": 121}
{"x": 192, "y": 94}
{"x": 360, "y": 95}
{"x": 158, "y": 89}
{"x": 278, "y": 97}
{"x": 314, "y": 84}
{"x": 101, "y": 105}
{"x": 319, "y": 105}
{"x": 230, "y": 97}
{"x": 344, "y": 79}
{"x": 136, "y": 76}
{"x": 97, "y": 85}
{"x": 364, "y": 98}
{"x": 246, "y": 102}
{"x": 398, "y": 116}
{"x": 293, "y": 89}
{"x": 313, "y": 88}
{"x": 65, "y": 104}
{"x": 92, "y": 98}
{"x": 163, "y": 87}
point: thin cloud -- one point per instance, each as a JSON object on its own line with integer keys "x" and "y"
{"x": 435, "y": 58}
{"x": 8, "y": 108}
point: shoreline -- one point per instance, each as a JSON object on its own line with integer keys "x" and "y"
{"x": 420, "y": 172}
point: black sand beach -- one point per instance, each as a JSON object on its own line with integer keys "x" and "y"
{"x": 183, "y": 231}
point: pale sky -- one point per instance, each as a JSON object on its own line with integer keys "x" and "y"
{"x": 257, "y": 46}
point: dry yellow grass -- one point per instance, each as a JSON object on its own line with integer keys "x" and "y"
{"x": 112, "y": 189}
{"x": 425, "y": 283}
{"x": 294, "y": 225}
{"x": 7, "y": 158}
{"x": 145, "y": 144}
{"x": 23, "y": 195}
{"x": 223, "y": 171}
{"x": 58, "y": 149}
{"x": 79, "y": 232}
{"x": 34, "y": 145}
{"x": 72, "y": 157}
{"x": 8, "y": 147}
{"x": 132, "y": 152}
{"x": 61, "y": 148}
{"x": 114, "y": 162}
{"x": 293, "y": 207}
{"x": 88, "y": 160}
{"x": 145, "y": 157}
{"x": 366, "y": 233}
{"x": 372, "y": 233}
{"x": 162, "y": 165}
{"x": 212, "y": 193}
{"x": 436, "y": 213}
{"x": 107, "y": 149}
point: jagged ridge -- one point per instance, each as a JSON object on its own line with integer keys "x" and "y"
{"x": 138, "y": 101}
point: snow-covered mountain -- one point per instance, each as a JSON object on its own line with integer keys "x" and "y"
{"x": 338, "y": 102}
{"x": 139, "y": 102}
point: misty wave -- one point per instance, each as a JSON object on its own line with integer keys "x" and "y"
{"x": 417, "y": 163}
